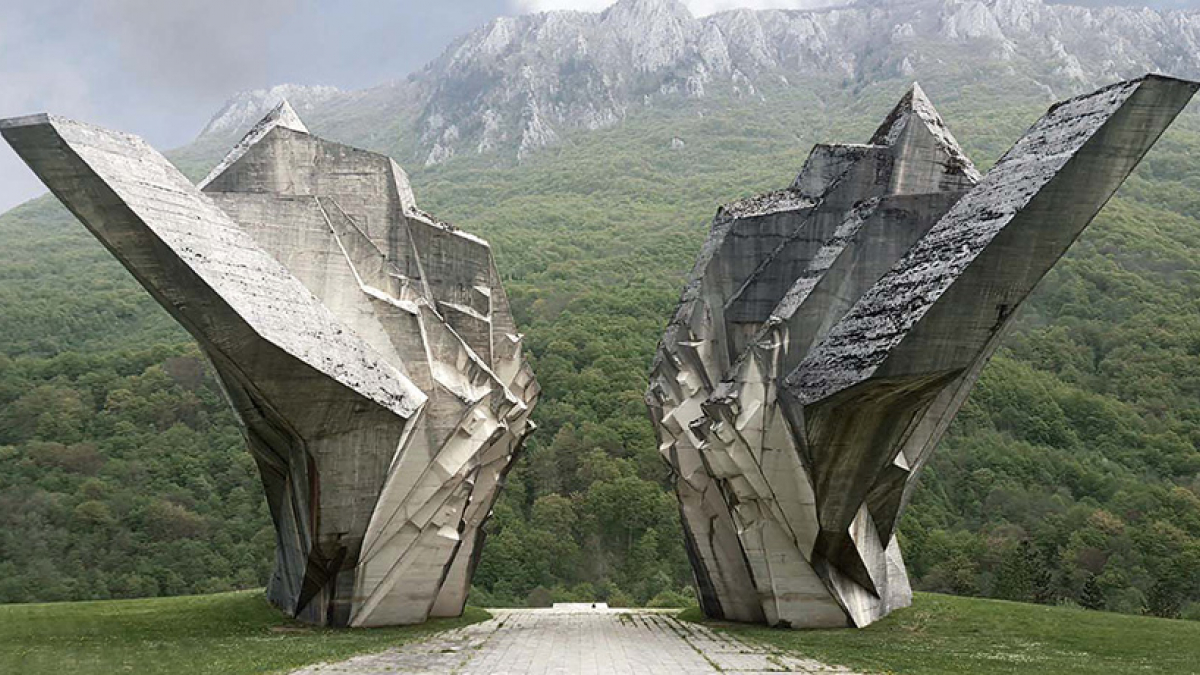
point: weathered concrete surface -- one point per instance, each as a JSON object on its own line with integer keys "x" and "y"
{"x": 578, "y": 642}
{"x": 367, "y": 348}
{"x": 829, "y": 333}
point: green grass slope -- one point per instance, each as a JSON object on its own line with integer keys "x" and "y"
{"x": 223, "y": 634}
{"x": 946, "y": 635}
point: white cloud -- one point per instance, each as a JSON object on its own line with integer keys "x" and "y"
{"x": 698, "y": 7}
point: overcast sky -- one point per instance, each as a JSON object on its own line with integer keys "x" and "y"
{"x": 161, "y": 68}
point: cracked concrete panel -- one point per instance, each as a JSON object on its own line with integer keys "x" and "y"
{"x": 813, "y": 365}
{"x": 382, "y": 423}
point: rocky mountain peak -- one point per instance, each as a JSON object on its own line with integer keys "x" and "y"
{"x": 634, "y": 17}
{"x": 656, "y": 33}
{"x": 521, "y": 83}
{"x": 646, "y": 10}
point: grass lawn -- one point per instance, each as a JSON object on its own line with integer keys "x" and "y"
{"x": 226, "y": 633}
{"x": 947, "y": 634}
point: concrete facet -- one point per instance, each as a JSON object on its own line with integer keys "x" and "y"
{"x": 829, "y": 333}
{"x": 367, "y": 349}
{"x": 578, "y": 642}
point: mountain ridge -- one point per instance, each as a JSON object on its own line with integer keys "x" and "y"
{"x": 518, "y": 84}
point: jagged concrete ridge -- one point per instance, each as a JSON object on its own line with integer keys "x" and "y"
{"x": 379, "y": 509}
{"x": 916, "y": 152}
{"x": 1012, "y": 186}
{"x": 937, "y": 316}
{"x": 796, "y": 434}
{"x": 737, "y": 281}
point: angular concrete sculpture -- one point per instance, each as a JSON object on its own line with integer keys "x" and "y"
{"x": 367, "y": 349}
{"x": 829, "y": 333}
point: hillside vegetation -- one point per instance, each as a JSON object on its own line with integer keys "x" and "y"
{"x": 945, "y": 635}
{"x": 223, "y": 634}
{"x": 1072, "y": 475}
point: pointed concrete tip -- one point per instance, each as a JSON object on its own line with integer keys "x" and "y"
{"x": 920, "y": 103}
{"x": 894, "y": 123}
{"x": 282, "y": 115}
{"x": 913, "y": 100}
{"x": 916, "y": 105}
{"x": 285, "y": 115}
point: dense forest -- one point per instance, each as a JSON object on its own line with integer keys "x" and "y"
{"x": 1071, "y": 476}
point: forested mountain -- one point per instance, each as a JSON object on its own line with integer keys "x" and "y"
{"x": 1073, "y": 474}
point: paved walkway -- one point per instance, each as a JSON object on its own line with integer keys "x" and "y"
{"x": 576, "y": 642}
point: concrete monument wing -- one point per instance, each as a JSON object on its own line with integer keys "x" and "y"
{"x": 367, "y": 348}
{"x": 829, "y": 332}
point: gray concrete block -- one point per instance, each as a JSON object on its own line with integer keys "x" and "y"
{"x": 367, "y": 349}
{"x": 829, "y": 333}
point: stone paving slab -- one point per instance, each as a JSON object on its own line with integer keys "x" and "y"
{"x": 577, "y": 641}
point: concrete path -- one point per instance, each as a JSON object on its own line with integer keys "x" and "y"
{"x": 576, "y": 642}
